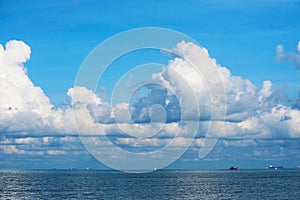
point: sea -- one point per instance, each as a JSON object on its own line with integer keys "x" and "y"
{"x": 165, "y": 184}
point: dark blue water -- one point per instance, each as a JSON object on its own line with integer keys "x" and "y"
{"x": 60, "y": 184}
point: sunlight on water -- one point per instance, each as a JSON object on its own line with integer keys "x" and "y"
{"x": 222, "y": 184}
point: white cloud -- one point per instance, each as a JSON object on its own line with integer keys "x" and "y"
{"x": 240, "y": 143}
{"x": 243, "y": 98}
{"x": 25, "y": 108}
{"x": 41, "y": 145}
{"x": 11, "y": 149}
{"x": 158, "y": 142}
{"x": 81, "y": 95}
{"x": 55, "y": 152}
{"x": 15, "y": 52}
{"x": 22, "y": 105}
{"x": 251, "y": 112}
{"x": 28, "y": 140}
{"x": 293, "y": 57}
{"x": 266, "y": 90}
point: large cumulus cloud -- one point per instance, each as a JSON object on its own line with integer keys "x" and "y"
{"x": 251, "y": 112}
{"x": 22, "y": 104}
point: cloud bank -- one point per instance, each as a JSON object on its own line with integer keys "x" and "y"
{"x": 29, "y": 123}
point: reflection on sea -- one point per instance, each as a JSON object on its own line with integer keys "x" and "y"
{"x": 94, "y": 184}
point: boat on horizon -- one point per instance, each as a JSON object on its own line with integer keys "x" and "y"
{"x": 275, "y": 167}
{"x": 233, "y": 168}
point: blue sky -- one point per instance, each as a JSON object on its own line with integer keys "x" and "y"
{"x": 242, "y": 36}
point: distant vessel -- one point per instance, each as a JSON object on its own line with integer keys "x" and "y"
{"x": 275, "y": 167}
{"x": 233, "y": 168}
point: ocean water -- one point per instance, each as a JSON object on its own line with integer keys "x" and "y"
{"x": 218, "y": 184}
